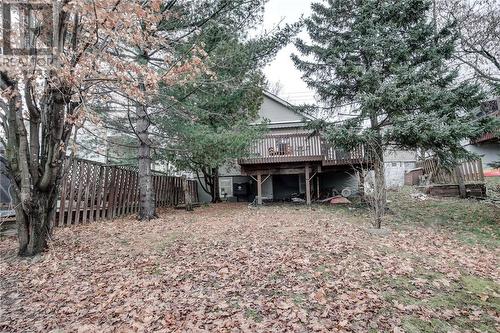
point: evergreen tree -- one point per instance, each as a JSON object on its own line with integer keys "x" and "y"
{"x": 210, "y": 120}
{"x": 388, "y": 60}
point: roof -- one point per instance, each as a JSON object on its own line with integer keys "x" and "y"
{"x": 286, "y": 104}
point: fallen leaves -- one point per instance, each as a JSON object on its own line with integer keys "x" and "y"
{"x": 228, "y": 268}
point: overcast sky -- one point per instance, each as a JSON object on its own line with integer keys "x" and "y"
{"x": 282, "y": 68}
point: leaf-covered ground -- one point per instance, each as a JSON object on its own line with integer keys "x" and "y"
{"x": 230, "y": 268}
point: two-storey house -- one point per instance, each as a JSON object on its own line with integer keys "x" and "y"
{"x": 290, "y": 161}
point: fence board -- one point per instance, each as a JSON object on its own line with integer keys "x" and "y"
{"x": 91, "y": 191}
{"x": 71, "y": 197}
{"x": 126, "y": 193}
{"x": 104, "y": 200}
{"x": 471, "y": 171}
{"x": 88, "y": 182}
{"x": 63, "y": 193}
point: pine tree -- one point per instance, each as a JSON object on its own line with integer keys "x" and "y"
{"x": 210, "y": 122}
{"x": 387, "y": 59}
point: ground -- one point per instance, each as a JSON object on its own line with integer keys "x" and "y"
{"x": 231, "y": 268}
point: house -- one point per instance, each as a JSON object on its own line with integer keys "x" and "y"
{"x": 290, "y": 161}
{"x": 5, "y": 184}
{"x": 487, "y": 146}
{"x": 397, "y": 163}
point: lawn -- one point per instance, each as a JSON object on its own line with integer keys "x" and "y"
{"x": 231, "y": 268}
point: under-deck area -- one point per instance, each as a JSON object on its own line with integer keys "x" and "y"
{"x": 297, "y": 163}
{"x": 280, "y": 182}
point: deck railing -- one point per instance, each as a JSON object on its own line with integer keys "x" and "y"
{"x": 284, "y": 148}
{"x": 336, "y": 156}
{"x": 299, "y": 147}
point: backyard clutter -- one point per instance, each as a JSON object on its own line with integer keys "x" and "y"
{"x": 339, "y": 200}
{"x": 277, "y": 268}
{"x": 419, "y": 196}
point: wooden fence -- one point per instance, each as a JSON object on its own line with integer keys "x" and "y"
{"x": 471, "y": 171}
{"x": 92, "y": 191}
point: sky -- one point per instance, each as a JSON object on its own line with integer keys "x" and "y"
{"x": 282, "y": 69}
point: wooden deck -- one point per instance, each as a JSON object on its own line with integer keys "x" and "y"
{"x": 300, "y": 147}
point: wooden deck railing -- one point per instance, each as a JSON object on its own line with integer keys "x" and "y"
{"x": 335, "y": 156}
{"x": 299, "y": 147}
{"x": 485, "y": 137}
{"x": 284, "y": 148}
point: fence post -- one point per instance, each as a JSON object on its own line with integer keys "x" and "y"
{"x": 188, "y": 201}
{"x": 480, "y": 170}
{"x": 461, "y": 183}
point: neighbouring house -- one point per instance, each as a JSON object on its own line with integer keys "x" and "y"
{"x": 487, "y": 146}
{"x": 290, "y": 161}
{"x": 98, "y": 144}
{"x": 5, "y": 188}
{"x": 397, "y": 164}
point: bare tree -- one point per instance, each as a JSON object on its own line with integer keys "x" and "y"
{"x": 88, "y": 51}
{"x": 478, "y": 23}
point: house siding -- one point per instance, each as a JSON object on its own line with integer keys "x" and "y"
{"x": 489, "y": 152}
{"x": 276, "y": 112}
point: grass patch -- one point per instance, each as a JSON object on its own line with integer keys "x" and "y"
{"x": 298, "y": 299}
{"x": 123, "y": 241}
{"x": 253, "y": 314}
{"x": 472, "y": 221}
{"x": 416, "y": 325}
{"x": 469, "y": 292}
{"x": 157, "y": 270}
{"x": 403, "y": 287}
{"x": 471, "y": 301}
{"x": 479, "y": 286}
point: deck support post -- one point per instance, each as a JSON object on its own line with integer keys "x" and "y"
{"x": 361, "y": 185}
{"x": 317, "y": 186}
{"x": 308, "y": 186}
{"x": 259, "y": 189}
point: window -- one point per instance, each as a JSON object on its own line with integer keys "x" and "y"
{"x": 226, "y": 187}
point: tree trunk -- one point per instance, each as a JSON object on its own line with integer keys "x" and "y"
{"x": 380, "y": 193}
{"x": 147, "y": 207}
{"x": 35, "y": 158}
{"x": 211, "y": 187}
{"x": 34, "y": 225}
{"x": 215, "y": 186}
{"x": 188, "y": 200}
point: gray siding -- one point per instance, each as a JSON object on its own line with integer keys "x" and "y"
{"x": 276, "y": 112}
{"x": 489, "y": 152}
